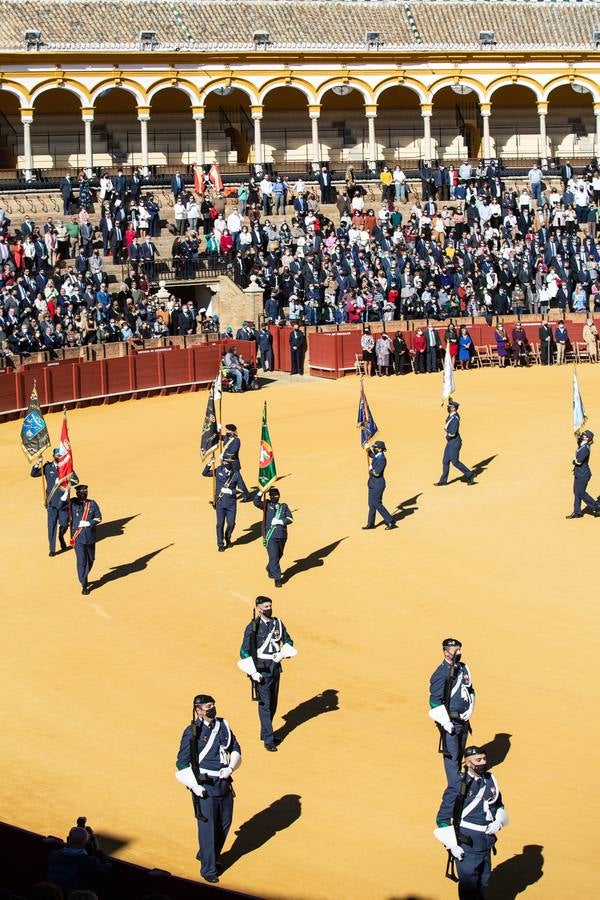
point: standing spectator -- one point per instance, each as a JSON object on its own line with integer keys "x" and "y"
{"x": 420, "y": 348}
{"x": 66, "y": 189}
{"x": 433, "y": 343}
{"x": 399, "y": 179}
{"x": 177, "y": 185}
{"x": 278, "y": 192}
{"x": 519, "y": 345}
{"x": 324, "y": 181}
{"x": 465, "y": 347}
{"x": 382, "y": 350}
{"x": 546, "y": 339}
{"x": 180, "y": 215}
{"x": 297, "y": 348}
{"x": 535, "y": 182}
{"x": 266, "y": 188}
{"x": 502, "y": 344}
{"x": 561, "y": 337}
{"x": 590, "y": 336}
{"x": 367, "y": 343}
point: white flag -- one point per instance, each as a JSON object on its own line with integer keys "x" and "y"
{"x": 448, "y": 387}
{"x": 579, "y": 416}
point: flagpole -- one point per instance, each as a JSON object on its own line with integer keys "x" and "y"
{"x": 362, "y": 394}
{"x": 41, "y": 459}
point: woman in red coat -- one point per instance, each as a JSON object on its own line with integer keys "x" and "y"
{"x": 420, "y": 348}
{"x": 226, "y": 242}
{"x": 17, "y": 253}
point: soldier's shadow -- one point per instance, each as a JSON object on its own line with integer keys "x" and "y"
{"x": 325, "y": 702}
{"x": 122, "y": 571}
{"x": 251, "y": 534}
{"x": 513, "y": 876}
{"x": 406, "y": 508}
{"x": 478, "y": 469}
{"x": 116, "y": 528}
{"x": 314, "y": 560}
{"x": 497, "y": 749}
{"x": 261, "y": 828}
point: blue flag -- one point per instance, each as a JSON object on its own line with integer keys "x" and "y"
{"x": 34, "y": 433}
{"x": 366, "y": 422}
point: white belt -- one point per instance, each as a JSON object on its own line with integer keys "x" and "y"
{"x": 265, "y": 655}
{"x": 226, "y": 490}
{"x": 209, "y": 772}
{"x": 470, "y": 825}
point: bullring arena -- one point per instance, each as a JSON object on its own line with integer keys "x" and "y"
{"x": 97, "y": 689}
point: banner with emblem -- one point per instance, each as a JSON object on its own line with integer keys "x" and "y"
{"x": 65, "y": 456}
{"x": 34, "y": 432}
{"x": 267, "y": 470}
{"x": 579, "y": 416}
{"x": 448, "y": 386}
{"x": 210, "y": 434}
{"x": 365, "y": 421}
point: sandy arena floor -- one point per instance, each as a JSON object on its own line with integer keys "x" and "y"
{"x": 96, "y": 691}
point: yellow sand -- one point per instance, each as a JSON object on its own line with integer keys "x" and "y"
{"x": 96, "y": 690}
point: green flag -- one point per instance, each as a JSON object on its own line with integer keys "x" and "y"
{"x": 267, "y": 471}
{"x": 210, "y": 435}
{"x": 34, "y": 433}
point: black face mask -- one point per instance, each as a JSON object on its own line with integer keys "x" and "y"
{"x": 481, "y": 769}
{"x": 211, "y": 713}
{"x": 267, "y": 613}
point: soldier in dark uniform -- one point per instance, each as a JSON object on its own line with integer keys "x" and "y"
{"x": 265, "y": 643}
{"x": 297, "y": 345}
{"x": 265, "y": 346}
{"x": 57, "y": 500}
{"x": 546, "y": 341}
{"x": 581, "y": 476}
{"x": 376, "y": 486}
{"x": 231, "y": 450}
{"x": 453, "y": 445}
{"x": 277, "y": 518}
{"x": 227, "y": 483}
{"x": 470, "y": 816}
{"x": 208, "y": 755}
{"x": 451, "y": 702}
{"x": 85, "y": 515}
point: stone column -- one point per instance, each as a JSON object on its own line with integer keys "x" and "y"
{"x": 26, "y": 120}
{"x": 314, "y": 111}
{"x": 143, "y": 118}
{"x": 426, "y": 110}
{"x": 87, "y": 114}
{"x": 486, "y": 111}
{"x": 597, "y": 141}
{"x": 542, "y": 109}
{"x": 371, "y": 115}
{"x": 257, "y": 114}
{"x": 198, "y": 116}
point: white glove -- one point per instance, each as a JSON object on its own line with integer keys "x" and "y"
{"x": 84, "y": 524}
{"x": 256, "y": 676}
{"x": 199, "y": 791}
{"x": 226, "y": 772}
{"x": 226, "y": 490}
{"x": 449, "y": 727}
{"x": 457, "y": 852}
{"x": 276, "y": 521}
{"x": 277, "y": 657}
{"x": 493, "y": 827}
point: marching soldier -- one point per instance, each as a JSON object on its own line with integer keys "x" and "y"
{"x": 227, "y": 483}
{"x": 231, "y": 450}
{"x": 469, "y": 818}
{"x": 208, "y": 755}
{"x": 376, "y": 486}
{"x": 85, "y": 516}
{"x": 57, "y": 500}
{"x": 277, "y": 518}
{"x": 453, "y": 445}
{"x": 265, "y": 643}
{"x": 451, "y": 701}
{"x": 581, "y": 476}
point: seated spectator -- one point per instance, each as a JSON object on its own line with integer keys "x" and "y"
{"x": 79, "y": 865}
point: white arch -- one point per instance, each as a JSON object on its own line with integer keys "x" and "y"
{"x": 105, "y": 87}
{"x": 411, "y": 86}
{"x": 562, "y": 82}
{"x": 476, "y": 88}
{"x": 282, "y": 84}
{"x": 352, "y": 83}
{"x": 53, "y": 86}
{"x": 165, "y": 86}
{"x": 229, "y": 82}
{"x": 519, "y": 83}
{"x": 16, "y": 92}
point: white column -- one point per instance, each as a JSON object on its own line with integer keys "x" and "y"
{"x": 316, "y": 154}
{"x": 88, "y": 118}
{"x": 143, "y": 118}
{"x": 257, "y": 138}
{"x": 597, "y": 114}
{"x": 199, "y": 146}
{"x": 426, "y": 115}
{"x": 485, "y": 109}
{"x": 26, "y": 120}
{"x": 371, "y": 115}
{"x": 542, "y": 109}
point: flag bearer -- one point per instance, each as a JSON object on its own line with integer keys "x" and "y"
{"x": 85, "y": 516}
{"x": 277, "y": 517}
{"x": 57, "y": 499}
{"x": 453, "y": 446}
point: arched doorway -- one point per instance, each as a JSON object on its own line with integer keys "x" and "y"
{"x": 571, "y": 123}
{"x": 343, "y": 132}
{"x": 116, "y": 130}
{"x": 228, "y": 127}
{"x": 171, "y": 135}
{"x": 399, "y": 126}
{"x": 456, "y": 124}
{"x": 11, "y": 132}
{"x": 57, "y": 140}
{"x": 514, "y": 125}
{"x": 286, "y": 129}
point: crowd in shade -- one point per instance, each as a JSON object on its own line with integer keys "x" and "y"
{"x": 468, "y": 246}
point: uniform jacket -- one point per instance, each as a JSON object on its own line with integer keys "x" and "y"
{"x": 581, "y": 463}
{"x": 86, "y": 535}
{"x": 51, "y": 476}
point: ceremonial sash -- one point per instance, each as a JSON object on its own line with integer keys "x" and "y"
{"x": 86, "y": 509}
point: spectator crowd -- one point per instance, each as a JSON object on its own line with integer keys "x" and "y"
{"x": 469, "y": 246}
